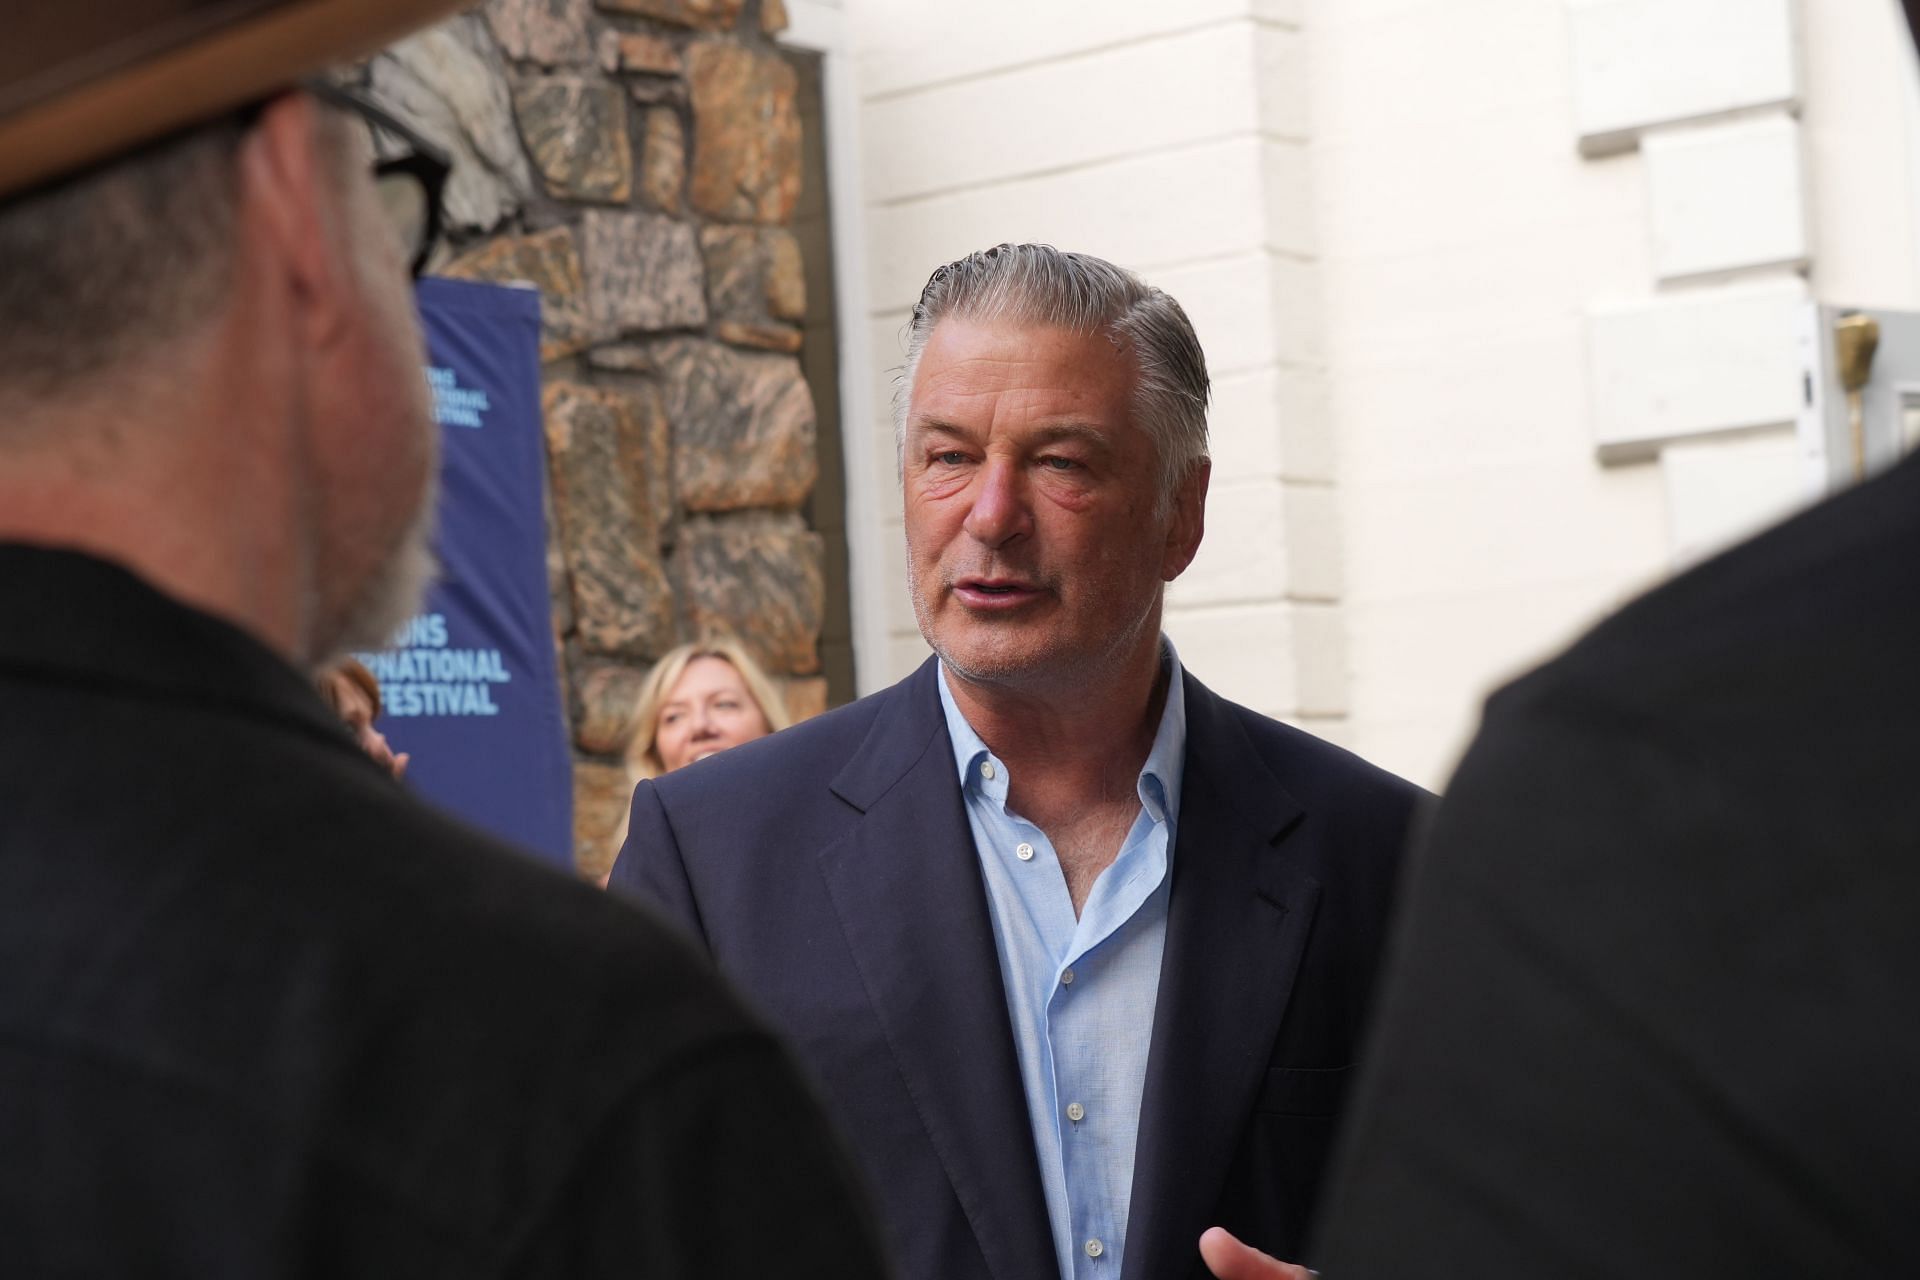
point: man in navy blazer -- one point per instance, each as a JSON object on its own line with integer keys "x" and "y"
{"x": 1078, "y": 951}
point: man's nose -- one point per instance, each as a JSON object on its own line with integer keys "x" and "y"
{"x": 999, "y": 512}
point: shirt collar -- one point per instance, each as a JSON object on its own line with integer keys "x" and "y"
{"x": 1160, "y": 776}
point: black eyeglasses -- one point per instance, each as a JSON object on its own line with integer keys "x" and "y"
{"x": 410, "y": 183}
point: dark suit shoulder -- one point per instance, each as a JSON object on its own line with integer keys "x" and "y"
{"x": 1358, "y": 813}
{"x": 1808, "y": 602}
{"x": 1324, "y": 768}
{"x": 796, "y": 786}
{"x": 809, "y": 753}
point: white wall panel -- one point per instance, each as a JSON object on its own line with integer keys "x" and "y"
{"x": 1720, "y": 491}
{"x": 1244, "y": 557}
{"x": 1242, "y": 652}
{"x": 1639, "y": 63}
{"x": 1194, "y": 87}
{"x": 908, "y": 44}
{"x": 1144, "y": 212}
{"x": 1726, "y": 197}
{"x": 1704, "y": 362}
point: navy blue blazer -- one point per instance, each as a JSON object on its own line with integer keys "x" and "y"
{"x": 831, "y": 873}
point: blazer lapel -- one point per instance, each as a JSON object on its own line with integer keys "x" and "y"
{"x": 907, "y": 887}
{"x": 1237, "y": 923}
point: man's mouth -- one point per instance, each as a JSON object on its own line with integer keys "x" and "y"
{"x": 994, "y": 593}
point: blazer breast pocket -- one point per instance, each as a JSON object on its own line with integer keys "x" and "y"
{"x": 1304, "y": 1091}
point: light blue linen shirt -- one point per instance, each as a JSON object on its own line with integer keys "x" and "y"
{"x": 1080, "y": 992}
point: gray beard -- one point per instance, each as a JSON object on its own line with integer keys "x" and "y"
{"x": 391, "y": 594}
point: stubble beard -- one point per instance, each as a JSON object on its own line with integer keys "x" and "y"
{"x": 1021, "y": 660}
{"x": 389, "y": 595}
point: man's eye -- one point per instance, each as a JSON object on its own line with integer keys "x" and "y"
{"x": 950, "y": 458}
{"x": 1054, "y": 462}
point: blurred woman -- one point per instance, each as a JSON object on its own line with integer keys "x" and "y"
{"x": 698, "y": 700}
{"x": 350, "y": 690}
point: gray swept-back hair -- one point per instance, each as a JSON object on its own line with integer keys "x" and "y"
{"x": 1040, "y": 285}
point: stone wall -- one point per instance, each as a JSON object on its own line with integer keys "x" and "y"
{"x": 639, "y": 161}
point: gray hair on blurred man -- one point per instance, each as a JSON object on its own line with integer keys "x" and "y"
{"x": 266, "y": 1014}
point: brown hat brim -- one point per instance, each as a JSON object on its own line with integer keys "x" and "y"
{"x": 182, "y": 63}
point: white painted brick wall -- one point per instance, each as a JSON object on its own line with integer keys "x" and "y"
{"x": 1639, "y": 63}
{"x": 1720, "y": 491}
{"x": 1251, "y": 311}
{"x": 1271, "y": 422}
{"x": 1192, "y": 87}
{"x": 1243, "y": 652}
{"x": 1703, "y": 362}
{"x": 1146, "y": 212}
{"x": 1316, "y": 561}
{"x": 1172, "y": 140}
{"x": 1726, "y": 197}
{"x": 905, "y": 45}
{"x": 1244, "y": 557}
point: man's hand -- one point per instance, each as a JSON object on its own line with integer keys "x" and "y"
{"x": 1228, "y": 1259}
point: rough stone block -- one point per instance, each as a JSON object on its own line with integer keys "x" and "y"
{"x": 708, "y": 15}
{"x": 602, "y": 798}
{"x": 576, "y": 130}
{"x": 764, "y": 337}
{"x": 607, "y": 696}
{"x": 754, "y": 272}
{"x": 550, "y": 262}
{"x": 559, "y": 584}
{"x": 620, "y": 357}
{"x": 552, "y": 33}
{"x": 805, "y": 696}
{"x": 746, "y": 133}
{"x": 649, "y": 55}
{"x": 450, "y": 83}
{"x": 663, "y": 162}
{"x": 758, "y": 576}
{"x": 786, "y": 281}
{"x": 743, "y": 426}
{"x": 643, "y": 273}
{"x": 603, "y": 445}
{"x": 734, "y": 267}
{"x": 654, "y": 91}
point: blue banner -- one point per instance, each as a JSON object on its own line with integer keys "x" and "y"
{"x": 470, "y": 688}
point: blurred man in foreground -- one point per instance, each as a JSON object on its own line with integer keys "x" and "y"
{"x": 261, "y": 1014}
{"x": 1651, "y": 1005}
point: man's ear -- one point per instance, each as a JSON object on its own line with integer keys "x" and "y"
{"x": 293, "y": 214}
{"x": 1189, "y": 521}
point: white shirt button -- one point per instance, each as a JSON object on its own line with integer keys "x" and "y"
{"x": 1076, "y": 1112}
{"x": 1023, "y": 851}
{"x": 986, "y": 770}
{"x": 1095, "y": 1248}
{"x": 1066, "y": 978}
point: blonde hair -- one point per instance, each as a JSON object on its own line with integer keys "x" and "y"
{"x": 642, "y": 755}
